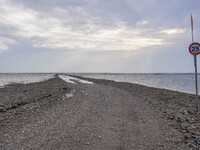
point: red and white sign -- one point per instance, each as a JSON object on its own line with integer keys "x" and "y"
{"x": 194, "y": 49}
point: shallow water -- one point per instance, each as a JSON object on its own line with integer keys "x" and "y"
{"x": 8, "y": 78}
{"x": 70, "y": 79}
{"x": 177, "y": 82}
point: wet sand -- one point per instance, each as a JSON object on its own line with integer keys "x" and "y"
{"x": 104, "y": 115}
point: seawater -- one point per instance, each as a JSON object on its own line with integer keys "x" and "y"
{"x": 8, "y": 78}
{"x": 177, "y": 82}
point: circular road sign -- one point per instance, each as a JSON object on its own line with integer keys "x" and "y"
{"x": 194, "y": 49}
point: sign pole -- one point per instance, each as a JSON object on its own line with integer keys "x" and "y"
{"x": 196, "y": 83}
{"x": 195, "y": 65}
{"x": 192, "y": 29}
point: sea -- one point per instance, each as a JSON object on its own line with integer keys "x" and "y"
{"x": 182, "y": 82}
{"x": 9, "y": 78}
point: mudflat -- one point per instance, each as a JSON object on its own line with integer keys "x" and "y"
{"x": 104, "y": 115}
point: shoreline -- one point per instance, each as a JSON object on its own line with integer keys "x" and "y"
{"x": 161, "y": 81}
{"x": 95, "y": 79}
{"x": 176, "y": 108}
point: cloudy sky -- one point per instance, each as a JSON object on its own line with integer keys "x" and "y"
{"x": 121, "y": 36}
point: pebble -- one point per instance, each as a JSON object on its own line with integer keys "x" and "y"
{"x": 2, "y": 105}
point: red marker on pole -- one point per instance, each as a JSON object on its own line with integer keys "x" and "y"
{"x": 192, "y": 28}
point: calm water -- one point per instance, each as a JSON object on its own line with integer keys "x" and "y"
{"x": 177, "y": 82}
{"x": 8, "y": 78}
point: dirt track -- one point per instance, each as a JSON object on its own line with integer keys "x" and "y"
{"x": 102, "y": 116}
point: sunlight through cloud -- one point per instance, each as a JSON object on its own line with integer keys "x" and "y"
{"x": 173, "y": 31}
{"x": 53, "y": 32}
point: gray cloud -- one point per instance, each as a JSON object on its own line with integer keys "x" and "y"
{"x": 73, "y": 28}
{"x": 87, "y": 28}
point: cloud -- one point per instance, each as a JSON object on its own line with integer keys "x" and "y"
{"x": 4, "y": 43}
{"x": 96, "y": 37}
{"x": 73, "y": 28}
{"x": 173, "y": 31}
{"x": 142, "y": 22}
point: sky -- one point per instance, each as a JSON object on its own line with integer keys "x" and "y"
{"x": 115, "y": 36}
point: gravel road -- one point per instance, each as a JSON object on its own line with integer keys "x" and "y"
{"x": 104, "y": 115}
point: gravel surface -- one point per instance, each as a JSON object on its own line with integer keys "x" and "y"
{"x": 104, "y": 115}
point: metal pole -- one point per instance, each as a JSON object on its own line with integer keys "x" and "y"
{"x": 195, "y": 66}
{"x": 196, "y": 83}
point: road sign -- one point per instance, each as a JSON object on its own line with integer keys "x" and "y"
{"x": 194, "y": 48}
